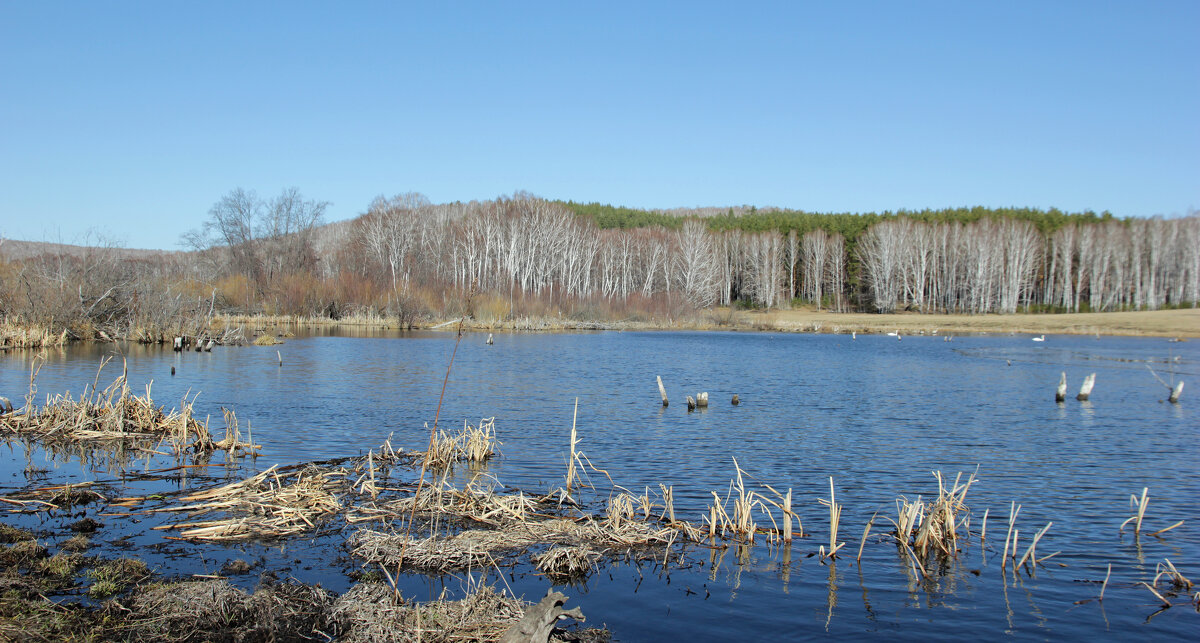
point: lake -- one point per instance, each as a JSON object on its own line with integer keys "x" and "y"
{"x": 876, "y": 414}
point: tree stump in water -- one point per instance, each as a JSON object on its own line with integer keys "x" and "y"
{"x": 736, "y": 401}
{"x": 1061, "y": 393}
{"x": 489, "y": 339}
{"x": 1174, "y": 399}
{"x": 5, "y": 405}
{"x": 178, "y": 345}
{"x": 691, "y": 403}
{"x": 661, "y": 390}
{"x": 1085, "y": 391}
{"x": 539, "y": 620}
{"x": 702, "y": 400}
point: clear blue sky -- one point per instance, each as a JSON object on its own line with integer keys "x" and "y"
{"x": 132, "y": 119}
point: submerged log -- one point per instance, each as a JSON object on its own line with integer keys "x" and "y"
{"x": 539, "y": 620}
{"x": 1085, "y": 391}
{"x": 1061, "y": 393}
{"x": 1174, "y": 399}
{"x": 702, "y": 399}
{"x": 736, "y": 401}
{"x": 661, "y": 390}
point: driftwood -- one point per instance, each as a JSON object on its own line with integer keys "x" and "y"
{"x": 539, "y": 620}
{"x": 1061, "y": 393}
{"x": 1085, "y": 391}
{"x": 662, "y": 390}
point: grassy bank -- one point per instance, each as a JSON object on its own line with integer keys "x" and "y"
{"x": 1160, "y": 323}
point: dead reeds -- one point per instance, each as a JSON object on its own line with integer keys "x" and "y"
{"x": 1138, "y": 506}
{"x": 933, "y": 527}
{"x": 267, "y": 505}
{"x": 474, "y": 444}
{"x": 108, "y": 416}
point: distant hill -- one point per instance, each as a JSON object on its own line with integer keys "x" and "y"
{"x": 12, "y": 250}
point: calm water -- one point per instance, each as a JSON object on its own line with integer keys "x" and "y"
{"x": 876, "y": 414}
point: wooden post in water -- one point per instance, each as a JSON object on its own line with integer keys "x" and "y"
{"x": 702, "y": 400}
{"x": 1175, "y": 392}
{"x": 1061, "y": 393}
{"x": 787, "y": 517}
{"x": 1085, "y": 391}
{"x": 661, "y": 390}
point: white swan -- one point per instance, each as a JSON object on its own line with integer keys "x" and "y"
{"x": 1040, "y": 339}
{"x": 893, "y": 333}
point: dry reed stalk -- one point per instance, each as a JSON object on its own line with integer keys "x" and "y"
{"x": 835, "y": 517}
{"x": 1013, "y": 510}
{"x": 1104, "y": 586}
{"x": 1178, "y": 580}
{"x": 866, "y": 532}
{"x": 574, "y": 441}
{"x": 1139, "y": 506}
{"x": 1030, "y": 553}
{"x": 1165, "y": 602}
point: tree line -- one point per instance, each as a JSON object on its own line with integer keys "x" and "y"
{"x": 521, "y": 255}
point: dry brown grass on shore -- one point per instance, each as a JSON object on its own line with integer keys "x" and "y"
{"x": 1184, "y": 322}
{"x": 14, "y": 334}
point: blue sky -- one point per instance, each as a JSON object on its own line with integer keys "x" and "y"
{"x": 131, "y": 119}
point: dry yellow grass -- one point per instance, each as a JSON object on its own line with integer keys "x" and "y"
{"x": 1157, "y": 323}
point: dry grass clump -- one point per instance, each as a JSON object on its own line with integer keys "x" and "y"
{"x": 564, "y": 564}
{"x": 214, "y": 610}
{"x": 108, "y": 416}
{"x": 933, "y": 526}
{"x": 14, "y": 334}
{"x": 267, "y": 340}
{"x": 471, "y": 444}
{"x": 373, "y": 613}
{"x": 266, "y": 505}
{"x": 738, "y": 521}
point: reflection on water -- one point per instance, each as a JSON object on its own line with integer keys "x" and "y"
{"x": 877, "y": 416}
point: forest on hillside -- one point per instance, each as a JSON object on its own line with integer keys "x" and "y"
{"x": 523, "y": 256}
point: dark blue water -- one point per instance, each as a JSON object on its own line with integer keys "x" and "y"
{"x": 877, "y": 414}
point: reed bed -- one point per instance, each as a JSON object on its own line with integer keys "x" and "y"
{"x": 110, "y": 415}
{"x": 267, "y": 340}
{"x": 266, "y": 505}
{"x": 474, "y": 444}
{"x": 14, "y": 334}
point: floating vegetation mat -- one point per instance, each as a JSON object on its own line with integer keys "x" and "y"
{"x": 267, "y": 505}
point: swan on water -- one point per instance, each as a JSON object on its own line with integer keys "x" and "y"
{"x": 1040, "y": 339}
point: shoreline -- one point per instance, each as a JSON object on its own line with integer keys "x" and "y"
{"x": 1175, "y": 323}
